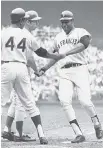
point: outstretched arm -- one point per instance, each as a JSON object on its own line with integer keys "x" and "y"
{"x": 31, "y": 63}
{"x": 49, "y": 65}
{"x": 45, "y": 54}
{"x": 82, "y": 45}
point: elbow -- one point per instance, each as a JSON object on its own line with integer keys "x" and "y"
{"x": 41, "y": 52}
{"x": 85, "y": 40}
{"x": 84, "y": 45}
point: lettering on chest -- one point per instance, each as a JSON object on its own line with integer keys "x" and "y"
{"x": 67, "y": 41}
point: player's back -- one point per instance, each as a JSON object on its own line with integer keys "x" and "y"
{"x": 14, "y": 44}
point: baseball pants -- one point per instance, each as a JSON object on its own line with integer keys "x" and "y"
{"x": 16, "y": 109}
{"x": 15, "y": 75}
{"x": 75, "y": 77}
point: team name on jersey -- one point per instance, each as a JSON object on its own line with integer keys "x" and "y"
{"x": 67, "y": 41}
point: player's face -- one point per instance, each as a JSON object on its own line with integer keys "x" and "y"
{"x": 33, "y": 24}
{"x": 67, "y": 25}
{"x": 23, "y": 22}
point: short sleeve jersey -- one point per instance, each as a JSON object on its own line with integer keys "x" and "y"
{"x": 65, "y": 42}
{"x": 15, "y": 43}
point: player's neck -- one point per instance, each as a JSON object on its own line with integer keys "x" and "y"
{"x": 16, "y": 26}
{"x": 27, "y": 28}
{"x": 69, "y": 31}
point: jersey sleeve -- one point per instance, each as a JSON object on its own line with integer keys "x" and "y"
{"x": 31, "y": 41}
{"x": 34, "y": 44}
{"x": 2, "y": 32}
{"x": 1, "y": 40}
{"x": 83, "y": 32}
{"x": 54, "y": 47}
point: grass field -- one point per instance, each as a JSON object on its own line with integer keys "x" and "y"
{"x": 57, "y": 129}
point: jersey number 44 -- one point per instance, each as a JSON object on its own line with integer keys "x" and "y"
{"x": 21, "y": 45}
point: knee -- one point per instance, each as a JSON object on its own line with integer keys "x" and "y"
{"x": 66, "y": 105}
{"x": 11, "y": 112}
{"x": 20, "y": 115}
{"x": 86, "y": 103}
{"x": 32, "y": 109}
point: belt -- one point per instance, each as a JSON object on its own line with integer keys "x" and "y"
{"x": 2, "y": 62}
{"x": 71, "y": 65}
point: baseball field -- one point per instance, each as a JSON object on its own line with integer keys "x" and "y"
{"x": 57, "y": 128}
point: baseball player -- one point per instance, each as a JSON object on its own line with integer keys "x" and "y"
{"x": 15, "y": 42}
{"x": 73, "y": 72}
{"x": 16, "y": 109}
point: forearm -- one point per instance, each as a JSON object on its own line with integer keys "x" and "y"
{"x": 78, "y": 48}
{"x": 82, "y": 45}
{"x": 54, "y": 56}
{"x": 49, "y": 65}
{"x": 32, "y": 64}
{"x": 45, "y": 54}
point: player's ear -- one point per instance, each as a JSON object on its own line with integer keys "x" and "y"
{"x": 28, "y": 22}
{"x": 21, "y": 22}
{"x": 73, "y": 20}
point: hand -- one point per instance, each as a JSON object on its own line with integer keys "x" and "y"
{"x": 36, "y": 73}
{"x": 40, "y": 73}
{"x": 8, "y": 103}
{"x": 62, "y": 56}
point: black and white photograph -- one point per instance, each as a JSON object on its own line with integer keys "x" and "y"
{"x": 51, "y": 74}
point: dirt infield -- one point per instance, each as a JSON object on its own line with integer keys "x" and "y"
{"x": 57, "y": 129}
{"x": 53, "y": 143}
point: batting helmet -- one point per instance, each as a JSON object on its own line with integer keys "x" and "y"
{"x": 33, "y": 15}
{"x": 17, "y": 14}
{"x": 66, "y": 15}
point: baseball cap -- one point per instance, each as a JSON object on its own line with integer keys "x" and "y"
{"x": 18, "y": 14}
{"x": 66, "y": 15}
{"x": 33, "y": 15}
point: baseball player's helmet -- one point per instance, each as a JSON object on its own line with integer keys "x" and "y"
{"x": 66, "y": 15}
{"x": 33, "y": 15}
{"x": 17, "y": 14}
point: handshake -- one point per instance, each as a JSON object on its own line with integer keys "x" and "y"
{"x": 46, "y": 67}
{"x": 40, "y": 72}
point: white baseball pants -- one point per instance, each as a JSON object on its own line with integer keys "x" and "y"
{"x": 16, "y": 109}
{"x": 15, "y": 75}
{"x": 78, "y": 77}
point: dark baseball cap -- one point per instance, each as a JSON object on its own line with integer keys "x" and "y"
{"x": 33, "y": 15}
{"x": 18, "y": 14}
{"x": 66, "y": 15}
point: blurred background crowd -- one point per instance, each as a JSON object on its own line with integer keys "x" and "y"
{"x": 46, "y": 86}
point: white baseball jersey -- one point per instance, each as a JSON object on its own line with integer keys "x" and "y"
{"x": 65, "y": 42}
{"x": 73, "y": 77}
{"x": 15, "y": 43}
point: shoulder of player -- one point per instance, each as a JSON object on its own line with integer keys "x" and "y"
{"x": 9, "y": 30}
{"x": 59, "y": 35}
{"x": 79, "y": 30}
{"x": 28, "y": 34}
{"x": 82, "y": 32}
{"x": 5, "y": 31}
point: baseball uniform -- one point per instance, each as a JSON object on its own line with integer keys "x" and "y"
{"x": 16, "y": 109}
{"x": 15, "y": 44}
{"x": 73, "y": 76}
{"x": 73, "y": 72}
